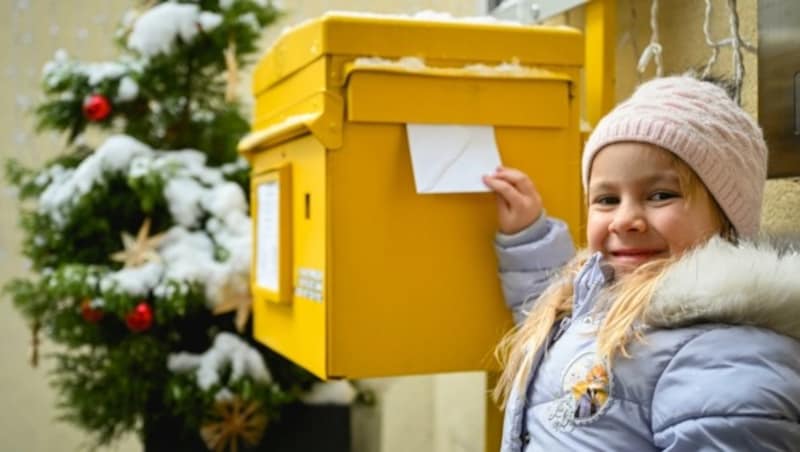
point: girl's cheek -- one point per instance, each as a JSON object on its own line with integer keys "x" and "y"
{"x": 596, "y": 232}
{"x": 677, "y": 231}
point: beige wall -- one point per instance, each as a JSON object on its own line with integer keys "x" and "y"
{"x": 681, "y": 35}
{"x": 34, "y": 29}
{"x": 441, "y": 413}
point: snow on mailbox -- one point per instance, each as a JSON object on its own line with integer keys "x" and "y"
{"x": 373, "y": 235}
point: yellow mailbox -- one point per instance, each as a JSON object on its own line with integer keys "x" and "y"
{"x": 355, "y": 274}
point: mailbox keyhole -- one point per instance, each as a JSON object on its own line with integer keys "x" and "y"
{"x": 797, "y": 103}
{"x": 308, "y": 206}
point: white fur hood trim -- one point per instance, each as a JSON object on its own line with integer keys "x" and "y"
{"x": 745, "y": 284}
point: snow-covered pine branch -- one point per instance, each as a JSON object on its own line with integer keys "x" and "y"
{"x": 228, "y": 351}
{"x": 190, "y": 252}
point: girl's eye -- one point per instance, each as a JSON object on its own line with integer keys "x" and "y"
{"x": 663, "y": 196}
{"x": 606, "y": 200}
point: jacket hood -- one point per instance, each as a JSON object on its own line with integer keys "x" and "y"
{"x": 744, "y": 284}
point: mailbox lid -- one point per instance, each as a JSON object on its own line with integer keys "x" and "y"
{"x": 513, "y": 96}
{"x": 447, "y": 42}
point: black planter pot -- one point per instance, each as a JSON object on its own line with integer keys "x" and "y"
{"x": 301, "y": 428}
{"x": 163, "y": 434}
{"x": 318, "y": 428}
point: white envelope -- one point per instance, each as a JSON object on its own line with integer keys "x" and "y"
{"x": 451, "y": 158}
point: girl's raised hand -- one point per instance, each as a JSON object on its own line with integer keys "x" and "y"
{"x": 518, "y": 202}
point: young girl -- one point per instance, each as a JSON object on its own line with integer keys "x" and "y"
{"x": 672, "y": 331}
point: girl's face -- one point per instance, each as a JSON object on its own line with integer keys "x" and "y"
{"x": 638, "y": 210}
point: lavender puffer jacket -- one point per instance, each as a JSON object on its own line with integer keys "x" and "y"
{"x": 719, "y": 369}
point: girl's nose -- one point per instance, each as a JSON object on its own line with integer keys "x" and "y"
{"x": 629, "y": 217}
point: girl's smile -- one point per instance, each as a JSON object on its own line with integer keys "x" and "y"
{"x": 633, "y": 256}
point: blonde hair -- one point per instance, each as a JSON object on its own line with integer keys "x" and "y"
{"x": 624, "y": 302}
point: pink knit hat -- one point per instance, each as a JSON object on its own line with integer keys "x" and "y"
{"x": 699, "y": 123}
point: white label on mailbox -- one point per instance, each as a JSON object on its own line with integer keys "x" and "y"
{"x": 309, "y": 284}
{"x": 451, "y": 158}
{"x": 268, "y": 241}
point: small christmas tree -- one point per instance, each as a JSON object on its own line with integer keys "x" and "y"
{"x": 141, "y": 248}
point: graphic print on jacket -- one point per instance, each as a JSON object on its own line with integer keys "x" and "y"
{"x": 586, "y": 385}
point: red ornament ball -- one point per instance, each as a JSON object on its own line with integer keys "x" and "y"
{"x": 140, "y": 318}
{"x": 90, "y": 313}
{"x": 96, "y": 107}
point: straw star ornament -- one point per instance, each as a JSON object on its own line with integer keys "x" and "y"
{"x": 232, "y": 72}
{"x": 236, "y": 297}
{"x": 139, "y": 250}
{"x": 234, "y": 421}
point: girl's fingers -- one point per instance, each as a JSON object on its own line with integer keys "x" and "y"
{"x": 504, "y": 189}
{"x": 516, "y": 178}
{"x": 515, "y": 208}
